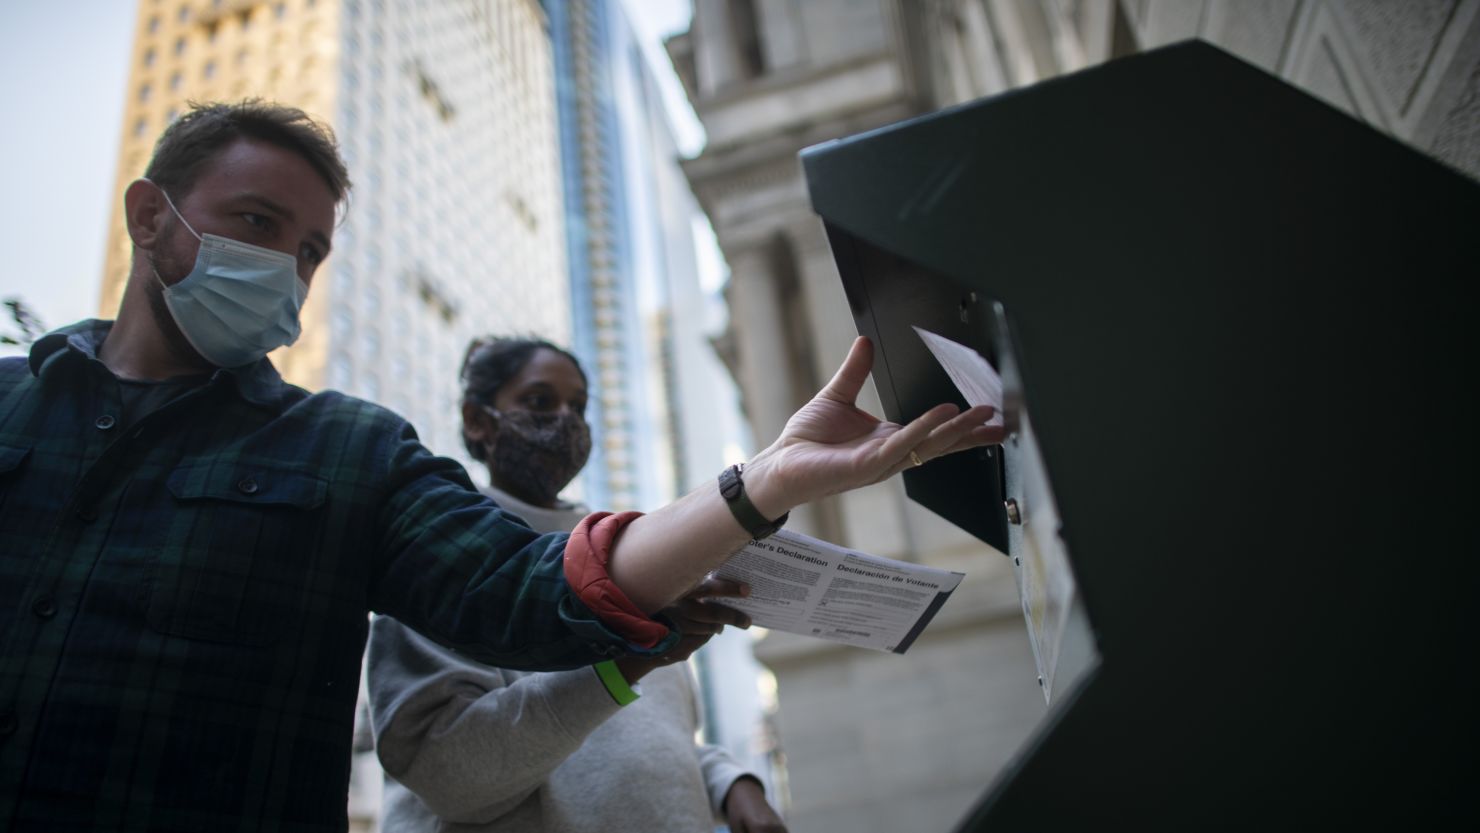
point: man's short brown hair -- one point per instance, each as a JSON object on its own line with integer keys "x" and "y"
{"x": 196, "y": 137}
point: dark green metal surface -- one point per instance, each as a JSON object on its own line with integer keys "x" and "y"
{"x": 1243, "y": 324}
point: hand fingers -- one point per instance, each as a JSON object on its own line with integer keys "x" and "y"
{"x": 715, "y": 587}
{"x": 979, "y": 436}
{"x": 849, "y": 379}
{"x": 961, "y": 432}
{"x": 694, "y": 616}
{"x": 896, "y": 449}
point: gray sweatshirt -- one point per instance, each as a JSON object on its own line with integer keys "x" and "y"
{"x": 468, "y": 747}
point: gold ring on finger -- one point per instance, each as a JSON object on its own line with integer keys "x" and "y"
{"x": 915, "y": 458}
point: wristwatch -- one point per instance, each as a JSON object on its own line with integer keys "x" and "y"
{"x": 732, "y": 489}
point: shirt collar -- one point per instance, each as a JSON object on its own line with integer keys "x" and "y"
{"x": 258, "y": 383}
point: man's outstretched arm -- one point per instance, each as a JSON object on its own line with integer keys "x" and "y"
{"x": 827, "y": 447}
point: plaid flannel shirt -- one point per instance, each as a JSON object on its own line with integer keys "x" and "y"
{"x": 183, "y": 603}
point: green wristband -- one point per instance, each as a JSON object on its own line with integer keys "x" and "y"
{"x": 616, "y": 684}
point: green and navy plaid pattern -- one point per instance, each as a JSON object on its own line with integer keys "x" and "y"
{"x": 183, "y": 602}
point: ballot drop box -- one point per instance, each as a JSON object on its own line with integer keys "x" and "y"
{"x": 1237, "y": 343}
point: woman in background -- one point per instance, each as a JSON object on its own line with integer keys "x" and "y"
{"x": 468, "y": 746}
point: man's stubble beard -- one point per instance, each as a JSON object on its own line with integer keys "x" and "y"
{"x": 167, "y": 267}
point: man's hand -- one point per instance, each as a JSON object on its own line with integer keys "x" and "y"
{"x": 697, "y": 619}
{"x": 747, "y": 810}
{"x": 831, "y": 445}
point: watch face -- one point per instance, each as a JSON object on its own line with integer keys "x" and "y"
{"x": 729, "y": 484}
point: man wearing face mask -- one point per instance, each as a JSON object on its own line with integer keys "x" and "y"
{"x": 189, "y": 546}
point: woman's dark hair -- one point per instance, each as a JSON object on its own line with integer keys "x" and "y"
{"x": 491, "y": 362}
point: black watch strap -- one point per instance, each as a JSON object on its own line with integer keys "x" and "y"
{"x": 732, "y": 489}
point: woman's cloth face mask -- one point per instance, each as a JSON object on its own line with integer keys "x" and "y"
{"x": 541, "y": 452}
{"x": 239, "y": 303}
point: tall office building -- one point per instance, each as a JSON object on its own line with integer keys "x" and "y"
{"x": 605, "y": 173}
{"x": 445, "y": 112}
{"x": 663, "y": 412}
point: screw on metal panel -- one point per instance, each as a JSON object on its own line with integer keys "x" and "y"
{"x": 1017, "y": 562}
{"x": 1040, "y": 682}
{"x": 1014, "y": 515}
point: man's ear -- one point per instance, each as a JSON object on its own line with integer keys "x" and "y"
{"x": 478, "y": 424}
{"x": 144, "y": 212}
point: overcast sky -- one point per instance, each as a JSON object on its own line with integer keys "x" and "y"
{"x": 63, "y": 69}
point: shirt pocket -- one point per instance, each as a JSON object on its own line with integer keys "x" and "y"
{"x": 236, "y": 568}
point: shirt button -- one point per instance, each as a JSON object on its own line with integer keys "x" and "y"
{"x": 45, "y": 607}
{"x": 8, "y": 723}
{"x": 105, "y": 422}
{"x": 248, "y": 486}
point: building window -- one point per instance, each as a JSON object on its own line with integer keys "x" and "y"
{"x": 341, "y": 325}
{"x": 346, "y": 274}
{"x": 184, "y": 13}
{"x": 339, "y": 371}
{"x": 153, "y": 25}
{"x": 149, "y": 57}
{"x": 179, "y": 46}
{"x": 144, "y": 91}
{"x": 209, "y": 71}
{"x": 175, "y": 79}
{"x": 279, "y": 10}
{"x": 140, "y": 126}
{"x": 743, "y": 25}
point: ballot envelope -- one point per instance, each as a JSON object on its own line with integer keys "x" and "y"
{"x": 1233, "y": 329}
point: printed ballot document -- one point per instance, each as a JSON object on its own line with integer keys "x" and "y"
{"x": 972, "y": 374}
{"x": 802, "y": 585}
{"x": 1045, "y": 579}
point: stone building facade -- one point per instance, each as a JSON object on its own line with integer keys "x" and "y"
{"x": 887, "y": 743}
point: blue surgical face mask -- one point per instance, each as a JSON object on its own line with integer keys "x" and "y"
{"x": 239, "y": 303}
